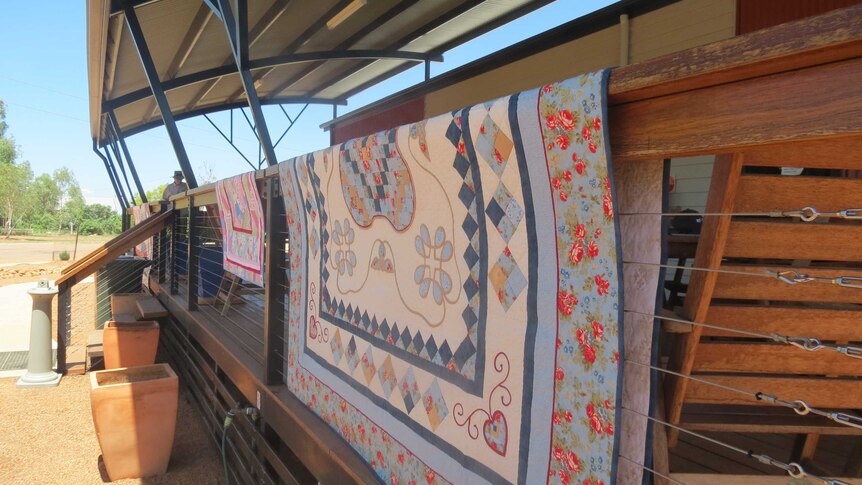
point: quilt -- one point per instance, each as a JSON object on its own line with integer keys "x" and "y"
{"x": 141, "y": 212}
{"x": 456, "y": 292}
{"x": 241, "y": 219}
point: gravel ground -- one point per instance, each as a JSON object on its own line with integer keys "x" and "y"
{"x": 47, "y": 437}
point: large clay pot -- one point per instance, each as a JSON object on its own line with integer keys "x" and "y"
{"x": 129, "y": 344}
{"x": 135, "y": 414}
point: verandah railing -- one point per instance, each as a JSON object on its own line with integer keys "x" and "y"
{"x": 251, "y": 315}
{"x": 739, "y": 88}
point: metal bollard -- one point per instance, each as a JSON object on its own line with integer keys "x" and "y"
{"x": 40, "y": 372}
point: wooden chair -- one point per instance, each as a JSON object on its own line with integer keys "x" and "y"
{"x": 823, "y": 379}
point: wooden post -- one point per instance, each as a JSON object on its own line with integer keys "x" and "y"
{"x": 722, "y": 191}
{"x": 274, "y": 281}
{"x": 75, "y": 251}
{"x": 193, "y": 253}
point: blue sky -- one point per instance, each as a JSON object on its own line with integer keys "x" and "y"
{"x": 43, "y": 80}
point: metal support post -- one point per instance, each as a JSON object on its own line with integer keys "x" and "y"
{"x": 117, "y": 178}
{"x": 123, "y": 205}
{"x": 274, "y": 284}
{"x": 64, "y": 311}
{"x": 118, "y": 135}
{"x": 158, "y": 92}
{"x": 122, "y": 169}
{"x": 175, "y": 225}
{"x": 193, "y": 254}
{"x": 163, "y": 255}
{"x": 237, "y": 31}
{"x": 40, "y": 371}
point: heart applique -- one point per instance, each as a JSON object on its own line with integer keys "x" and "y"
{"x": 496, "y": 433}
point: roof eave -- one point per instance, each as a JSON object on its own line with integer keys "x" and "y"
{"x": 98, "y": 14}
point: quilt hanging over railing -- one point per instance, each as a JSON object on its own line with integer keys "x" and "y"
{"x": 241, "y": 218}
{"x": 456, "y": 293}
{"x": 141, "y": 212}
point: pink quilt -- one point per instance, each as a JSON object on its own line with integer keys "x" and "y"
{"x": 241, "y": 217}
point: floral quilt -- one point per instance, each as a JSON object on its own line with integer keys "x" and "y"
{"x": 456, "y": 292}
{"x": 241, "y": 218}
{"x": 141, "y": 212}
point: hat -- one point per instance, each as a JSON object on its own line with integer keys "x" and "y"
{"x": 178, "y": 174}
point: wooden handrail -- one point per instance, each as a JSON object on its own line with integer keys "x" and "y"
{"x": 113, "y": 248}
{"x": 831, "y": 37}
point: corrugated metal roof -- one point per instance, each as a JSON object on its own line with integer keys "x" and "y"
{"x": 291, "y": 51}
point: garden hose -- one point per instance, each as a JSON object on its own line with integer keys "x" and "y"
{"x": 228, "y": 421}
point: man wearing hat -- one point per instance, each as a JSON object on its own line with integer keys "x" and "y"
{"x": 177, "y": 187}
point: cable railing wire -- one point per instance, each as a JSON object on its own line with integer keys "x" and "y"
{"x": 793, "y": 469}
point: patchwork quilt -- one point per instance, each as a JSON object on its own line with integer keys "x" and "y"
{"x": 141, "y": 212}
{"x": 241, "y": 218}
{"x": 456, "y": 292}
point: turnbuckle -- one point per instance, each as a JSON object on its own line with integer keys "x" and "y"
{"x": 793, "y": 277}
{"x": 812, "y": 344}
{"x": 847, "y": 419}
{"x": 808, "y": 214}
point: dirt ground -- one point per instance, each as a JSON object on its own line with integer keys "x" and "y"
{"x": 42, "y": 249}
{"x": 23, "y": 273}
{"x": 48, "y": 438}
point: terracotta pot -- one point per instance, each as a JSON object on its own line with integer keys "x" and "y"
{"x": 129, "y": 344}
{"x": 135, "y": 414}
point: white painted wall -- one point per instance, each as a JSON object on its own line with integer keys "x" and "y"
{"x": 692, "y": 176}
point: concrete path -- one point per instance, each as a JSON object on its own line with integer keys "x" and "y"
{"x": 16, "y": 305}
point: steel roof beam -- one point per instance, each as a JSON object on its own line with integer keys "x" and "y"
{"x": 123, "y": 170}
{"x": 236, "y": 24}
{"x": 224, "y": 107}
{"x": 270, "y": 17}
{"x": 301, "y": 39}
{"x": 190, "y": 40}
{"x": 117, "y": 177}
{"x": 158, "y": 92}
{"x": 394, "y": 11}
{"x": 122, "y": 201}
{"x": 407, "y": 39}
{"x": 115, "y": 128}
{"x": 275, "y": 61}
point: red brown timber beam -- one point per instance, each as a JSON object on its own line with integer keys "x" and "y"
{"x": 827, "y": 38}
{"x": 806, "y": 105}
{"x": 727, "y": 95}
{"x": 722, "y": 192}
{"x": 793, "y": 82}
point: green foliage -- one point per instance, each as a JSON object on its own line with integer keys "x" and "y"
{"x": 8, "y": 150}
{"x": 155, "y": 193}
{"x": 15, "y": 181}
{"x": 3, "y": 124}
{"x": 64, "y": 255}
{"x": 47, "y": 203}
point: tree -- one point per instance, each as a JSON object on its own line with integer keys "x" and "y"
{"x": 8, "y": 150}
{"x": 207, "y": 174}
{"x": 69, "y": 189}
{"x": 3, "y": 124}
{"x": 99, "y": 219}
{"x": 45, "y": 195}
{"x": 15, "y": 181}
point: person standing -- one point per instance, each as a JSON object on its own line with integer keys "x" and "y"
{"x": 176, "y": 187}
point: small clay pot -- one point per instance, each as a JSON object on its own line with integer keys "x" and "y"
{"x": 135, "y": 415}
{"x": 129, "y": 344}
